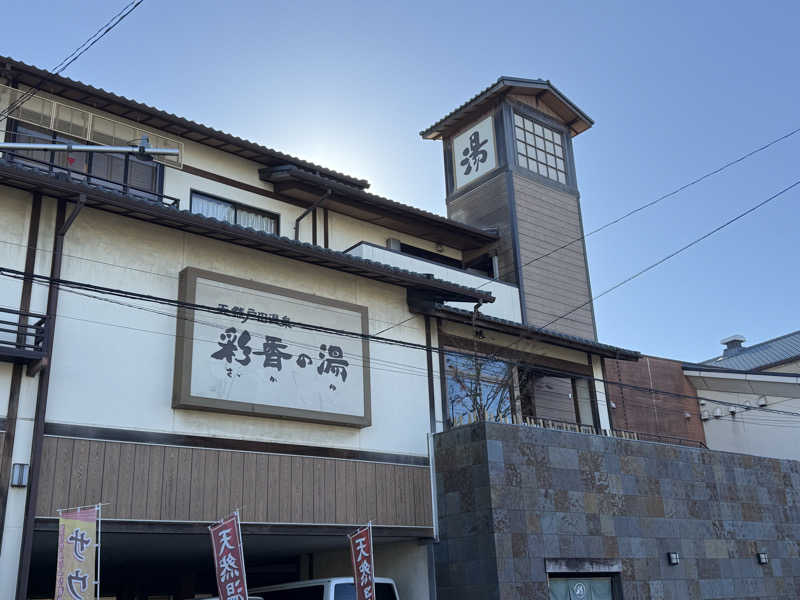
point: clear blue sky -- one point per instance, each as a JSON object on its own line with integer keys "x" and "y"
{"x": 675, "y": 90}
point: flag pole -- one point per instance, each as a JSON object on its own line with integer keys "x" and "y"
{"x": 99, "y": 521}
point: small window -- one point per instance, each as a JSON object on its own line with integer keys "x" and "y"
{"x": 540, "y": 149}
{"x": 477, "y": 387}
{"x": 235, "y": 214}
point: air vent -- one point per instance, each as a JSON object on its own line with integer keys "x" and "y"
{"x": 704, "y": 415}
{"x": 717, "y": 413}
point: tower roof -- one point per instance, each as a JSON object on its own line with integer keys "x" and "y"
{"x": 541, "y": 89}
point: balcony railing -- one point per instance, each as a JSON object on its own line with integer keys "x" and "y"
{"x": 580, "y": 428}
{"x": 23, "y": 336}
{"x": 82, "y": 176}
{"x": 506, "y": 305}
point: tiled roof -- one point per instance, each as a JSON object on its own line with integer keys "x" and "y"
{"x": 751, "y": 358}
{"x": 175, "y": 119}
{"x": 60, "y": 185}
{"x": 574, "y": 339}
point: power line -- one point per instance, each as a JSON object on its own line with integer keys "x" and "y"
{"x": 664, "y": 197}
{"x": 69, "y": 284}
{"x": 73, "y": 56}
{"x": 671, "y": 255}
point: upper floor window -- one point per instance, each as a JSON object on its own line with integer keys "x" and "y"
{"x": 230, "y": 212}
{"x": 540, "y": 149}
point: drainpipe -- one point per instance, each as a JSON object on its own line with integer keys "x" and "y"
{"x": 44, "y": 368}
{"x": 316, "y": 204}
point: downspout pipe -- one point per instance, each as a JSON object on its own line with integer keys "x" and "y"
{"x": 62, "y": 226}
{"x": 314, "y": 206}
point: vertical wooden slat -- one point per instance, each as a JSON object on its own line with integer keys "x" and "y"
{"x": 352, "y": 505}
{"x": 297, "y": 490}
{"x": 250, "y": 504}
{"x": 125, "y": 480}
{"x": 197, "y": 484}
{"x": 319, "y": 494}
{"x": 371, "y": 492}
{"x": 183, "y": 486}
{"x": 273, "y": 482}
{"x": 407, "y": 501}
{"x": 285, "y": 489}
{"x": 382, "y": 473}
{"x": 426, "y": 500}
{"x": 109, "y": 492}
{"x": 261, "y": 490}
{"x": 63, "y": 473}
{"x": 155, "y": 483}
{"x": 94, "y": 475}
{"x": 44, "y": 503}
{"x": 223, "y": 490}
{"x": 237, "y": 475}
{"x": 341, "y": 491}
{"x": 141, "y": 479}
{"x": 210, "y": 484}
{"x": 330, "y": 491}
{"x": 361, "y": 493}
{"x": 308, "y": 490}
{"x": 80, "y": 466}
{"x": 170, "y": 483}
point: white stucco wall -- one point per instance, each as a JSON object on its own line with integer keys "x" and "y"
{"x": 405, "y": 562}
{"x": 113, "y": 364}
{"x": 753, "y": 431}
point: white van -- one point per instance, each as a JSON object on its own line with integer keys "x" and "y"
{"x": 334, "y": 588}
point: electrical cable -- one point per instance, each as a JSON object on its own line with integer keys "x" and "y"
{"x": 73, "y": 56}
{"x": 67, "y": 285}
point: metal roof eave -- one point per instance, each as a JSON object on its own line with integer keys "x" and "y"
{"x": 509, "y": 327}
{"x": 471, "y": 237}
{"x": 152, "y": 212}
{"x": 504, "y": 84}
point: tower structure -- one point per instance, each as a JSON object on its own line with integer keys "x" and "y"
{"x": 509, "y": 165}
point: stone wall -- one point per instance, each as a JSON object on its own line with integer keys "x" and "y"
{"x": 511, "y": 497}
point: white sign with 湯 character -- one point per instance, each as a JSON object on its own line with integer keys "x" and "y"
{"x": 474, "y": 152}
{"x": 270, "y": 352}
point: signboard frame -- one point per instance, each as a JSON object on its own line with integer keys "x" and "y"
{"x": 182, "y": 379}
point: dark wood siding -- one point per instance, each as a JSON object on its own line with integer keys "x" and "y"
{"x": 546, "y": 219}
{"x": 487, "y": 206}
{"x": 155, "y": 482}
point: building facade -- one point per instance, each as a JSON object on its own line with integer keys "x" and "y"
{"x": 236, "y": 328}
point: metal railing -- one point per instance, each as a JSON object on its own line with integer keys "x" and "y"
{"x": 558, "y": 425}
{"x": 29, "y": 339}
{"x": 84, "y": 176}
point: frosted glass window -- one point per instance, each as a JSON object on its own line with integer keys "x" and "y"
{"x": 541, "y": 148}
{"x": 222, "y": 210}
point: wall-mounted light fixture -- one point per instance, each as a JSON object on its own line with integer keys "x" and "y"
{"x": 19, "y": 475}
{"x": 763, "y": 558}
{"x": 674, "y": 558}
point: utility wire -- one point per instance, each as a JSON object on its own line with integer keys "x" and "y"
{"x": 671, "y": 255}
{"x": 68, "y": 285}
{"x": 73, "y": 56}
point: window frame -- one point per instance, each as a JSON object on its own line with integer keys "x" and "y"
{"x": 492, "y": 380}
{"x": 513, "y": 107}
{"x": 276, "y": 217}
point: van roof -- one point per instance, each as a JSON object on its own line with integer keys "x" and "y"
{"x": 309, "y": 582}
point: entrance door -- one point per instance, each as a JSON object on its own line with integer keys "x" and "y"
{"x": 596, "y": 588}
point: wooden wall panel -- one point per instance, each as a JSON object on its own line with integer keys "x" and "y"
{"x": 168, "y": 483}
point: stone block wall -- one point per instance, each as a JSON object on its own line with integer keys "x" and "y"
{"x": 512, "y": 497}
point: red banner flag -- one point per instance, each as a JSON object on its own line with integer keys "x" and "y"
{"x": 363, "y": 563}
{"x": 226, "y": 542}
